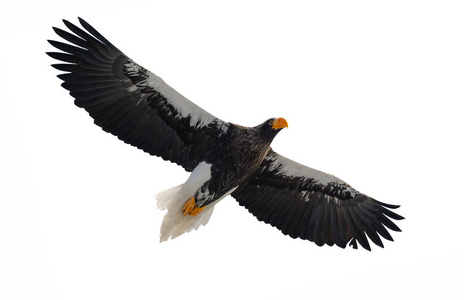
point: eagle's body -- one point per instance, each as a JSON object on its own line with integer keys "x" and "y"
{"x": 231, "y": 161}
{"x": 233, "y": 146}
{"x": 224, "y": 158}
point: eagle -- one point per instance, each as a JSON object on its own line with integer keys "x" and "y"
{"x": 224, "y": 158}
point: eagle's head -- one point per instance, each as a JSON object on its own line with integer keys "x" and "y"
{"x": 271, "y": 127}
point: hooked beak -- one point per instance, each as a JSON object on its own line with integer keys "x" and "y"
{"x": 279, "y": 124}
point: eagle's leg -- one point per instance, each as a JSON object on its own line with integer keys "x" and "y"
{"x": 190, "y": 208}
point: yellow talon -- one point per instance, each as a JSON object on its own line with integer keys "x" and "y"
{"x": 196, "y": 210}
{"x": 190, "y": 208}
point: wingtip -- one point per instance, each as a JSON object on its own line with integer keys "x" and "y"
{"x": 52, "y": 42}
{"x": 58, "y": 31}
{"x": 392, "y": 206}
{"x": 82, "y": 22}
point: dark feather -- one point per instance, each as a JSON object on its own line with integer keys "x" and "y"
{"x": 123, "y": 102}
{"x": 325, "y": 210}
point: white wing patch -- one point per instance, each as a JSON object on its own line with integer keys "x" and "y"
{"x": 198, "y": 116}
{"x": 290, "y": 168}
{"x": 186, "y": 108}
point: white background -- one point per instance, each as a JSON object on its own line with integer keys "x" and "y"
{"x": 372, "y": 91}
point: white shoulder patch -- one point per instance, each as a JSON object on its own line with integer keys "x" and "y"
{"x": 185, "y": 108}
{"x": 198, "y": 116}
{"x": 291, "y": 168}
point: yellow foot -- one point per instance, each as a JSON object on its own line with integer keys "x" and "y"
{"x": 196, "y": 210}
{"x": 190, "y": 208}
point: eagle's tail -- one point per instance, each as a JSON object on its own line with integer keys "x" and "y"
{"x": 174, "y": 222}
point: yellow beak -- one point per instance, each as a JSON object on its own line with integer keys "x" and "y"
{"x": 280, "y": 123}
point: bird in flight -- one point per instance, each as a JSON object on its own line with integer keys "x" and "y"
{"x": 224, "y": 158}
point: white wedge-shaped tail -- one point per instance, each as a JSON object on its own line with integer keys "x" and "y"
{"x": 173, "y": 199}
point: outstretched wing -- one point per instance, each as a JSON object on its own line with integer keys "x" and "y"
{"x": 131, "y": 102}
{"x": 312, "y": 205}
